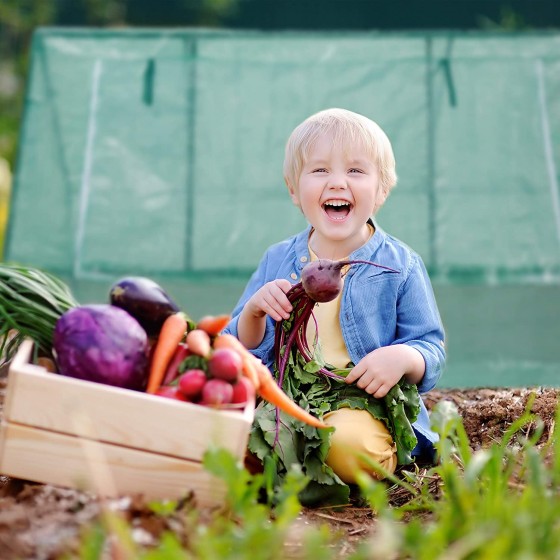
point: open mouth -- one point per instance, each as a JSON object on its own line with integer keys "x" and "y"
{"x": 337, "y": 209}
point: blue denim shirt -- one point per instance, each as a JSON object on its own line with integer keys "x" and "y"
{"x": 378, "y": 307}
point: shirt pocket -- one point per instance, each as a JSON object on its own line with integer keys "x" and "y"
{"x": 376, "y": 274}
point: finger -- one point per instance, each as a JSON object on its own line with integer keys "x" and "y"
{"x": 366, "y": 380}
{"x": 354, "y": 374}
{"x": 283, "y": 304}
{"x": 271, "y": 308}
{"x": 284, "y": 285}
{"x": 279, "y": 303}
{"x": 374, "y": 388}
{"x": 381, "y": 391}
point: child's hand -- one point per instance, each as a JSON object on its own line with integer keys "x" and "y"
{"x": 383, "y": 368}
{"x": 271, "y": 300}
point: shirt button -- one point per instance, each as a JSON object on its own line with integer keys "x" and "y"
{"x": 303, "y": 259}
{"x": 293, "y": 275}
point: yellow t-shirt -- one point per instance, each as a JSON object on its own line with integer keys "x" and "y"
{"x": 327, "y": 316}
{"x": 357, "y": 431}
{"x": 331, "y": 342}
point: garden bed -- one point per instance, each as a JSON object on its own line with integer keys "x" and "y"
{"x": 45, "y": 521}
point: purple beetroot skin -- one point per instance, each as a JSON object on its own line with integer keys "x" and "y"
{"x": 102, "y": 343}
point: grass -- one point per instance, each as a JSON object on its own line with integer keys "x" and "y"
{"x": 499, "y": 502}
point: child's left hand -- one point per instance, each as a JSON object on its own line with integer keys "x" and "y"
{"x": 383, "y": 368}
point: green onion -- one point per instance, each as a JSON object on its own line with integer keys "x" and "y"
{"x": 31, "y": 301}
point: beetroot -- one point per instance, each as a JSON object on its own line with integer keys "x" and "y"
{"x": 321, "y": 281}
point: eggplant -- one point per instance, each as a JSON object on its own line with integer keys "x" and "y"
{"x": 145, "y": 300}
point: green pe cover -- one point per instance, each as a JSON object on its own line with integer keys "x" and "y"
{"x": 159, "y": 153}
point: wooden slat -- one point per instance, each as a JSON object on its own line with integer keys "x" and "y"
{"x": 62, "y": 404}
{"x": 111, "y": 470}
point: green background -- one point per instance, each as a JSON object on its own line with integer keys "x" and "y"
{"x": 159, "y": 152}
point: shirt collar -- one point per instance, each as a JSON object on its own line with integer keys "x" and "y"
{"x": 365, "y": 252}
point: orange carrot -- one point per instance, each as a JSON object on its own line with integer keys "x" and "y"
{"x": 213, "y": 324}
{"x": 266, "y": 386}
{"x": 229, "y": 341}
{"x": 198, "y": 342}
{"x": 250, "y": 372}
{"x": 172, "y": 332}
{"x": 270, "y": 391}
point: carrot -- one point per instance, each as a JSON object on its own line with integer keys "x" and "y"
{"x": 213, "y": 324}
{"x": 171, "y": 334}
{"x": 250, "y": 372}
{"x": 270, "y": 391}
{"x": 198, "y": 342}
{"x": 266, "y": 386}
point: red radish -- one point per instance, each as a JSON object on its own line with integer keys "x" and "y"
{"x": 216, "y": 392}
{"x": 243, "y": 391}
{"x": 171, "y": 393}
{"x": 225, "y": 364}
{"x": 192, "y": 382}
{"x": 172, "y": 371}
{"x": 198, "y": 342}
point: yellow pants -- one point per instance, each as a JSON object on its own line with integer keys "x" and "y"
{"x": 358, "y": 433}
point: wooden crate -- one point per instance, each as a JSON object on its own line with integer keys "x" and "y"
{"x": 86, "y": 435}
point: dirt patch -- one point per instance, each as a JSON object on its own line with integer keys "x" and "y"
{"x": 41, "y": 521}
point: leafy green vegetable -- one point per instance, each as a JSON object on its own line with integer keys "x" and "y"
{"x": 298, "y": 443}
{"x": 31, "y": 301}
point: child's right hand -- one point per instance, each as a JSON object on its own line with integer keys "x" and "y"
{"x": 271, "y": 300}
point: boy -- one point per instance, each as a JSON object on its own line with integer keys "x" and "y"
{"x": 339, "y": 168}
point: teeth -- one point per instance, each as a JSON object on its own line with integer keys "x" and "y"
{"x": 337, "y": 203}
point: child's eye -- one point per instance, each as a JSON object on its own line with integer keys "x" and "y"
{"x": 355, "y": 170}
{"x": 320, "y": 170}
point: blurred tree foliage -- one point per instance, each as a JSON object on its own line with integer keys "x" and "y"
{"x": 18, "y": 18}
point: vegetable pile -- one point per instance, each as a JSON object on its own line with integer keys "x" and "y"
{"x": 140, "y": 341}
{"x": 201, "y": 375}
{"x": 320, "y": 388}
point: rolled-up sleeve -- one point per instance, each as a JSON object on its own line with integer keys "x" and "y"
{"x": 419, "y": 323}
{"x": 258, "y": 279}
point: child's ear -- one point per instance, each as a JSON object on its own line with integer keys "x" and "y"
{"x": 380, "y": 199}
{"x": 293, "y": 193}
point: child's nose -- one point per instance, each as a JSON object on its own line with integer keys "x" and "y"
{"x": 337, "y": 181}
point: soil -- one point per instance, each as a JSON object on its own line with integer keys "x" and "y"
{"x": 41, "y": 521}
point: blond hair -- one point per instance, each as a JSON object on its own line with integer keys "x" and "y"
{"x": 346, "y": 128}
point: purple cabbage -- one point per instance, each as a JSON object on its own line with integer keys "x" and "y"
{"x": 102, "y": 343}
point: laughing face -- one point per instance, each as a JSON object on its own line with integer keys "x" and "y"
{"x": 338, "y": 191}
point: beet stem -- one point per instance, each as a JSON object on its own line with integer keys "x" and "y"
{"x": 345, "y": 263}
{"x": 306, "y": 309}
